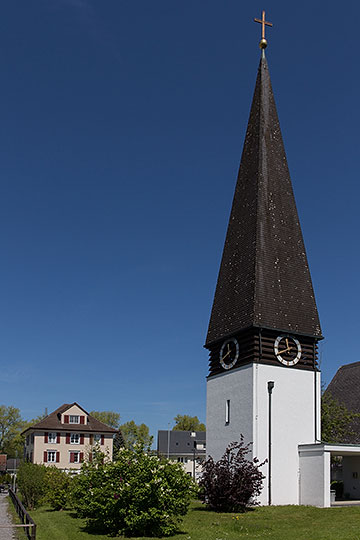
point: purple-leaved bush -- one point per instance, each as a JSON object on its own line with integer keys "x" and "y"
{"x": 232, "y": 483}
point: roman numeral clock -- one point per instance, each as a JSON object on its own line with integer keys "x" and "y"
{"x": 264, "y": 326}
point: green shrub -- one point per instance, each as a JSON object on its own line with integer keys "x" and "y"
{"x": 31, "y": 483}
{"x": 57, "y": 488}
{"x": 5, "y": 478}
{"x": 138, "y": 495}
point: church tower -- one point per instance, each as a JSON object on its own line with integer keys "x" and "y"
{"x": 264, "y": 326}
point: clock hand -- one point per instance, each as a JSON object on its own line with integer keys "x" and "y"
{"x": 225, "y": 355}
{"x": 287, "y": 342}
{"x": 285, "y": 350}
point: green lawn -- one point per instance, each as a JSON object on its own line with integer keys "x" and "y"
{"x": 275, "y": 523}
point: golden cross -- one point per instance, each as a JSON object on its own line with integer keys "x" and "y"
{"x": 263, "y": 23}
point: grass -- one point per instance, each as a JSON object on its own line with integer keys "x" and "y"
{"x": 275, "y": 523}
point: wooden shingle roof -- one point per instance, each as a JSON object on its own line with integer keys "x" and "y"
{"x": 264, "y": 278}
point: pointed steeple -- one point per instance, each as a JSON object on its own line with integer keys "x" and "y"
{"x": 264, "y": 279}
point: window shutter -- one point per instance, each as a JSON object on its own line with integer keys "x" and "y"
{"x": 82, "y": 419}
{"x": 91, "y": 438}
{"x": 71, "y": 457}
{"x": 57, "y": 457}
{"x": 68, "y": 438}
{"x": 81, "y": 438}
{"x": 46, "y": 437}
{"x": 66, "y": 418}
{"x": 45, "y": 456}
{"x": 102, "y": 439}
{"x": 58, "y": 438}
{"x": 90, "y": 456}
{"x": 81, "y": 457}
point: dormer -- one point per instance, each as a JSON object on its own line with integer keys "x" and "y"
{"x": 74, "y": 415}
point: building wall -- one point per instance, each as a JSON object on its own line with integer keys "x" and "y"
{"x": 293, "y": 423}
{"x": 293, "y": 420}
{"x": 64, "y": 449}
{"x": 187, "y": 461}
{"x": 314, "y": 477}
{"x": 236, "y": 386}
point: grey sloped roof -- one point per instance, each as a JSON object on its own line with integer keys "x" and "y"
{"x": 180, "y": 442}
{"x": 264, "y": 278}
{"x": 345, "y": 386}
{"x": 53, "y": 422}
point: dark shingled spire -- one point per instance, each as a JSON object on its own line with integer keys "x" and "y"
{"x": 264, "y": 279}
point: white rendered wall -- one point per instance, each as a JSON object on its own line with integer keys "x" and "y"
{"x": 237, "y": 386}
{"x": 293, "y": 423}
{"x": 293, "y": 420}
{"x": 315, "y": 477}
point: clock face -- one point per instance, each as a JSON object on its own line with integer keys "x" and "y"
{"x": 229, "y": 353}
{"x": 287, "y": 350}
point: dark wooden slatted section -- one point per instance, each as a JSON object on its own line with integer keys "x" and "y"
{"x": 257, "y": 345}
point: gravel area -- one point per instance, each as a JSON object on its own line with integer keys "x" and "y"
{"x": 5, "y": 520}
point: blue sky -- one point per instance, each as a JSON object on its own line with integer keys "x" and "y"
{"x": 122, "y": 124}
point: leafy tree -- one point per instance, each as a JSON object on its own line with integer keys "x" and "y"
{"x": 110, "y": 418}
{"x": 183, "y": 422}
{"x": 57, "y": 488}
{"x": 134, "y": 434}
{"x": 11, "y": 425}
{"x": 31, "y": 483}
{"x": 15, "y": 446}
{"x": 137, "y": 495}
{"x": 232, "y": 483}
{"x": 336, "y": 421}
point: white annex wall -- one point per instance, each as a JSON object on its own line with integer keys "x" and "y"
{"x": 314, "y": 475}
{"x": 293, "y": 420}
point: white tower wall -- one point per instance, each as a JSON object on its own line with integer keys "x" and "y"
{"x": 293, "y": 420}
{"x": 237, "y": 386}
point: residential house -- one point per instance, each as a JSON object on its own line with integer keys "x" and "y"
{"x": 66, "y": 437}
{"x": 185, "y": 447}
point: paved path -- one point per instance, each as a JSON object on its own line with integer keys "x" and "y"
{"x": 5, "y": 534}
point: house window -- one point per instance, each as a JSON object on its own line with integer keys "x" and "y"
{"x": 52, "y": 438}
{"x": 74, "y": 419}
{"x": 74, "y": 457}
{"x": 75, "y": 439}
{"x": 51, "y": 456}
{"x": 227, "y": 412}
{"x": 97, "y": 438}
